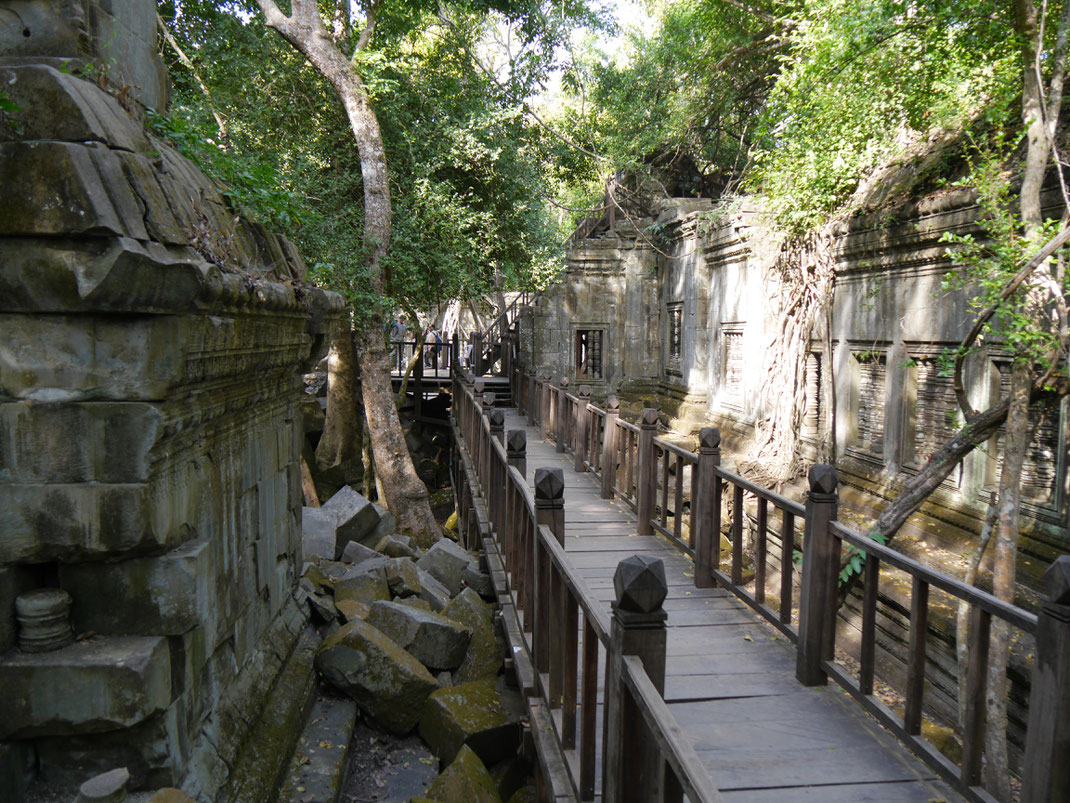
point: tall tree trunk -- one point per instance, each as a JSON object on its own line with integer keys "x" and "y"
{"x": 341, "y": 442}
{"x": 405, "y": 495}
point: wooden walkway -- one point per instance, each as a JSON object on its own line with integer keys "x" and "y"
{"x": 730, "y": 680}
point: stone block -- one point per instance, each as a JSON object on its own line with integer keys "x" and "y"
{"x": 483, "y": 658}
{"x": 165, "y": 595}
{"x": 465, "y": 779}
{"x": 16, "y": 768}
{"x": 369, "y": 586}
{"x": 403, "y": 578}
{"x": 319, "y": 530}
{"x": 13, "y": 581}
{"x": 388, "y": 684}
{"x": 473, "y": 715}
{"x": 478, "y": 581}
{"x": 387, "y": 526}
{"x": 91, "y": 686}
{"x": 431, "y": 590}
{"x": 446, "y": 562}
{"x": 435, "y": 641}
{"x": 357, "y": 553}
{"x": 395, "y": 547}
{"x": 355, "y": 517}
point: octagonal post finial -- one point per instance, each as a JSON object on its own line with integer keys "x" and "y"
{"x": 640, "y": 584}
{"x": 823, "y": 479}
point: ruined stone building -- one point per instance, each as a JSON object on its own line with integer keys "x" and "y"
{"x": 686, "y": 321}
{"x": 150, "y": 346}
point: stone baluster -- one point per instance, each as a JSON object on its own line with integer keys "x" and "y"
{"x": 44, "y": 617}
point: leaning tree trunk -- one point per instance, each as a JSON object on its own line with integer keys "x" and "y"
{"x": 342, "y": 439}
{"x": 405, "y": 495}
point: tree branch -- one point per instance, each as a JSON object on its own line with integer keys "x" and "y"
{"x": 369, "y": 28}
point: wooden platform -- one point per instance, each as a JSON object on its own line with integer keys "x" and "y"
{"x": 730, "y": 680}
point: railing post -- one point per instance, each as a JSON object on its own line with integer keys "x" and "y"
{"x": 544, "y": 409}
{"x": 817, "y": 605}
{"x": 477, "y": 353}
{"x": 609, "y": 448}
{"x": 707, "y": 539}
{"x": 496, "y": 417}
{"x": 1046, "y": 774}
{"x": 467, "y": 415}
{"x": 533, "y": 387}
{"x": 632, "y": 769}
{"x": 562, "y": 415}
{"x": 516, "y": 450}
{"x": 582, "y": 418}
{"x": 549, "y": 511}
{"x": 418, "y": 384}
{"x": 646, "y": 470}
{"x": 455, "y": 352}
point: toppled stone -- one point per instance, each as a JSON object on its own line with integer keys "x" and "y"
{"x": 355, "y": 552}
{"x": 436, "y": 594}
{"x": 432, "y": 639}
{"x": 403, "y": 578}
{"x": 320, "y": 580}
{"x": 108, "y": 787}
{"x": 322, "y": 608}
{"x": 471, "y": 714}
{"x": 395, "y": 546}
{"x": 319, "y": 532}
{"x": 484, "y": 657}
{"x": 414, "y": 602}
{"x": 355, "y": 517}
{"x": 446, "y": 562}
{"x": 478, "y": 581}
{"x": 387, "y": 682}
{"x": 90, "y": 686}
{"x": 510, "y": 776}
{"x": 445, "y": 679}
{"x": 351, "y": 609}
{"x": 387, "y": 526}
{"x": 467, "y": 779}
{"x": 368, "y": 587}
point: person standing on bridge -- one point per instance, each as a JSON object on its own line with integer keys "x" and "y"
{"x": 398, "y": 331}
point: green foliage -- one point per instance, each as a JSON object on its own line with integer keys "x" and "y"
{"x": 8, "y": 106}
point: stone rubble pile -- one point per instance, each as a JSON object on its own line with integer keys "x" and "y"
{"x": 409, "y": 635}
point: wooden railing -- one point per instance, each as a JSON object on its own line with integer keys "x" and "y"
{"x": 498, "y": 336}
{"x": 650, "y": 474}
{"x": 560, "y": 628}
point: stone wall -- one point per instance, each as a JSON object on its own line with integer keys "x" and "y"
{"x": 689, "y": 318}
{"x": 150, "y": 432}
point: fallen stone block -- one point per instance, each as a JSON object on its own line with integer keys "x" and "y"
{"x": 387, "y": 526}
{"x": 403, "y": 578}
{"x": 395, "y": 546}
{"x": 355, "y": 517}
{"x": 478, "y": 581}
{"x": 473, "y": 715}
{"x": 353, "y": 609}
{"x": 510, "y": 776}
{"x": 355, "y": 553}
{"x": 484, "y": 657}
{"x": 432, "y": 639}
{"x": 387, "y": 683}
{"x": 446, "y": 562}
{"x": 90, "y": 686}
{"x": 415, "y": 602}
{"x": 436, "y": 594}
{"x": 319, "y": 532}
{"x": 467, "y": 779}
{"x": 322, "y": 608}
{"x": 369, "y": 586}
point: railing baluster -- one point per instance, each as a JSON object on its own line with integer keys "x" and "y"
{"x": 869, "y": 624}
{"x": 919, "y": 615}
{"x": 664, "y": 486}
{"x": 787, "y": 565}
{"x": 678, "y": 503}
{"x": 737, "y": 534}
{"x": 610, "y": 449}
{"x": 760, "y": 552}
{"x": 588, "y": 710}
{"x": 556, "y": 603}
{"x": 973, "y": 729}
{"x": 570, "y": 667}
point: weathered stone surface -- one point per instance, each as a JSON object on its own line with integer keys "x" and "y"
{"x": 319, "y": 532}
{"x": 13, "y": 581}
{"x": 510, "y": 775}
{"x": 395, "y": 547}
{"x": 432, "y": 639}
{"x": 170, "y": 795}
{"x": 446, "y": 562}
{"x": 356, "y": 552}
{"x": 368, "y": 587}
{"x": 478, "y": 581}
{"x": 386, "y": 681}
{"x": 95, "y": 685}
{"x": 467, "y": 779}
{"x": 164, "y": 595}
{"x": 414, "y": 602}
{"x": 484, "y": 657}
{"x": 436, "y": 594}
{"x": 525, "y": 794}
{"x": 355, "y": 517}
{"x": 44, "y": 617}
{"x": 108, "y": 787}
{"x": 351, "y": 609}
{"x": 387, "y": 526}
{"x": 471, "y": 714}
{"x": 322, "y": 608}
{"x": 403, "y": 578}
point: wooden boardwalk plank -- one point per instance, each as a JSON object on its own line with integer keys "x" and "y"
{"x": 730, "y": 679}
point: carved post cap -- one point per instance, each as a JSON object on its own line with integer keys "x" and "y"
{"x": 585, "y": 391}
{"x": 496, "y": 416}
{"x": 481, "y": 385}
{"x": 516, "y": 442}
{"x": 547, "y": 376}
{"x": 709, "y": 438}
{"x": 564, "y": 382}
{"x": 613, "y": 405}
{"x": 488, "y": 399}
{"x": 469, "y": 378}
{"x": 640, "y": 584}
{"x": 1057, "y": 580}
{"x": 823, "y": 479}
{"x": 549, "y": 486}
{"x": 649, "y": 418}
